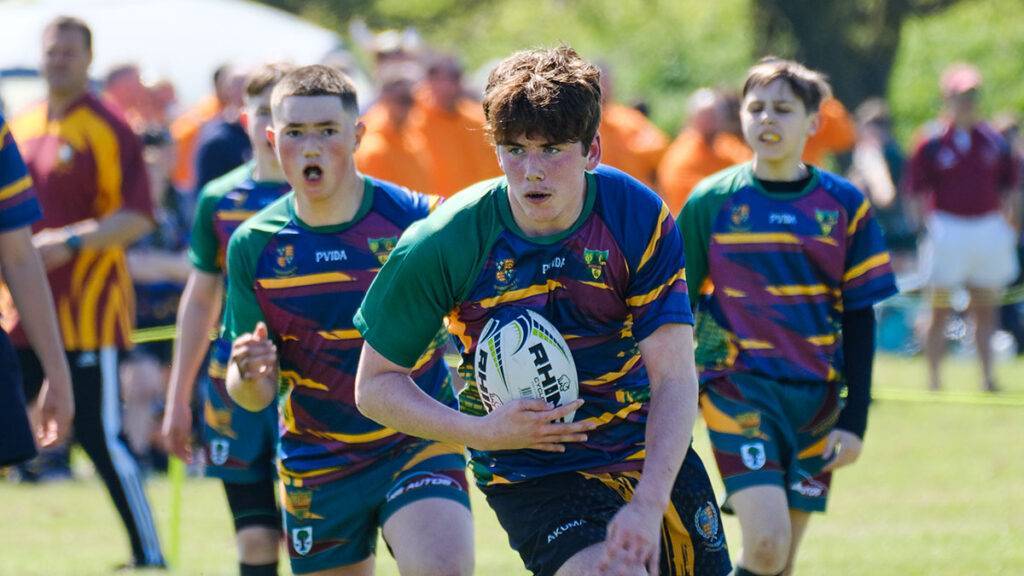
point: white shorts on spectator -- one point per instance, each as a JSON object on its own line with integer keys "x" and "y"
{"x": 971, "y": 252}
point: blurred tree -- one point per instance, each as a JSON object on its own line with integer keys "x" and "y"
{"x": 854, "y": 41}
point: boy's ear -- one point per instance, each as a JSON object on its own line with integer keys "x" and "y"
{"x": 272, "y": 137}
{"x": 243, "y": 119}
{"x": 815, "y": 123}
{"x": 594, "y": 152}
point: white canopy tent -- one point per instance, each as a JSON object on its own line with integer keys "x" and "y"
{"x": 181, "y": 40}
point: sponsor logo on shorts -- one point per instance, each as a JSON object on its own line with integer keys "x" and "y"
{"x": 808, "y": 487}
{"x": 753, "y": 455}
{"x": 219, "y": 450}
{"x": 421, "y": 480}
{"x": 709, "y": 527}
{"x": 302, "y": 540}
{"x": 565, "y": 528}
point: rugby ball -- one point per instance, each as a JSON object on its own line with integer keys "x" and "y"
{"x": 521, "y": 355}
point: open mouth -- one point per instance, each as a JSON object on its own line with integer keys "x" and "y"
{"x": 312, "y": 173}
{"x": 770, "y": 137}
{"x": 537, "y": 196}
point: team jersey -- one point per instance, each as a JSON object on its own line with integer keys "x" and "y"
{"x": 86, "y": 163}
{"x": 606, "y": 283}
{"x": 222, "y": 207}
{"x": 18, "y": 204}
{"x": 782, "y": 268}
{"x": 306, "y": 283}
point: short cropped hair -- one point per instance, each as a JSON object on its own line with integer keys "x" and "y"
{"x": 266, "y": 76}
{"x": 549, "y": 93}
{"x": 317, "y": 80}
{"x": 71, "y": 23}
{"x": 810, "y": 86}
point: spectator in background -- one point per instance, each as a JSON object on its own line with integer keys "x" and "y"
{"x": 1011, "y": 313}
{"x": 389, "y": 150}
{"x": 836, "y": 133}
{"x": 185, "y": 131}
{"x": 967, "y": 170}
{"x": 458, "y": 153}
{"x": 222, "y": 144}
{"x": 629, "y": 141}
{"x": 123, "y": 91}
{"x": 91, "y": 182}
{"x": 699, "y": 151}
{"x": 877, "y": 169}
{"x": 159, "y": 268}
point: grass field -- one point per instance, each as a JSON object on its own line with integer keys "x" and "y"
{"x": 938, "y": 491}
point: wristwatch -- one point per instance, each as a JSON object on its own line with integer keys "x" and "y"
{"x": 73, "y": 241}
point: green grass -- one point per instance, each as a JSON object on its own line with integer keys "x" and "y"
{"x": 939, "y": 491}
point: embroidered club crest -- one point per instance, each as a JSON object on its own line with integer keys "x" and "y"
{"x": 595, "y": 259}
{"x": 753, "y": 455}
{"x": 382, "y": 247}
{"x": 740, "y": 216}
{"x": 708, "y": 526}
{"x": 302, "y": 540}
{"x": 505, "y": 274}
{"x": 827, "y": 219}
{"x": 285, "y": 260}
{"x": 219, "y": 450}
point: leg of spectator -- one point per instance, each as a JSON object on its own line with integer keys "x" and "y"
{"x": 98, "y": 430}
{"x": 983, "y": 310}
{"x": 935, "y": 340}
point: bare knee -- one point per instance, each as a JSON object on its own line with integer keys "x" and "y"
{"x": 257, "y": 544}
{"x": 440, "y": 564}
{"x": 766, "y": 552}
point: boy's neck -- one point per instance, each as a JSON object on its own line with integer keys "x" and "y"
{"x": 338, "y": 207}
{"x": 785, "y": 170}
{"x": 267, "y": 168}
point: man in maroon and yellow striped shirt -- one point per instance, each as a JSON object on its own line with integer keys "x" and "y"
{"x": 91, "y": 182}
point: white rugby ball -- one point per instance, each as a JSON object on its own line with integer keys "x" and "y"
{"x": 522, "y": 355}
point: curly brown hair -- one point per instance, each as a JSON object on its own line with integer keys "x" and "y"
{"x": 810, "y": 86}
{"x": 549, "y": 93}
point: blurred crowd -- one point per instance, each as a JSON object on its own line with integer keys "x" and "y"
{"x": 424, "y": 130}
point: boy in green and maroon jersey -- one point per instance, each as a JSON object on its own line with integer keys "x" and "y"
{"x": 241, "y": 446}
{"x": 795, "y": 261}
{"x": 297, "y": 272}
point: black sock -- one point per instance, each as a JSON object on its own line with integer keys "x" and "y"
{"x": 739, "y": 571}
{"x": 257, "y": 569}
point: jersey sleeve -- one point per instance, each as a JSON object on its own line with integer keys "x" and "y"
{"x": 18, "y": 204}
{"x": 695, "y": 222}
{"x": 203, "y": 243}
{"x": 868, "y": 277}
{"x": 241, "y": 309}
{"x": 657, "y": 292}
{"x": 404, "y": 307}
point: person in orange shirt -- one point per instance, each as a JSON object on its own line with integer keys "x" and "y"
{"x": 389, "y": 150}
{"x": 629, "y": 141}
{"x": 836, "y": 133}
{"x": 459, "y": 153}
{"x": 700, "y": 150}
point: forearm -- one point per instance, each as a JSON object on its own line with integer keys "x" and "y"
{"x": 252, "y": 394}
{"x": 670, "y": 420}
{"x": 394, "y": 400}
{"x": 158, "y": 266}
{"x": 858, "y": 356}
{"x": 30, "y": 290}
{"x": 197, "y": 316}
{"x": 119, "y": 229}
